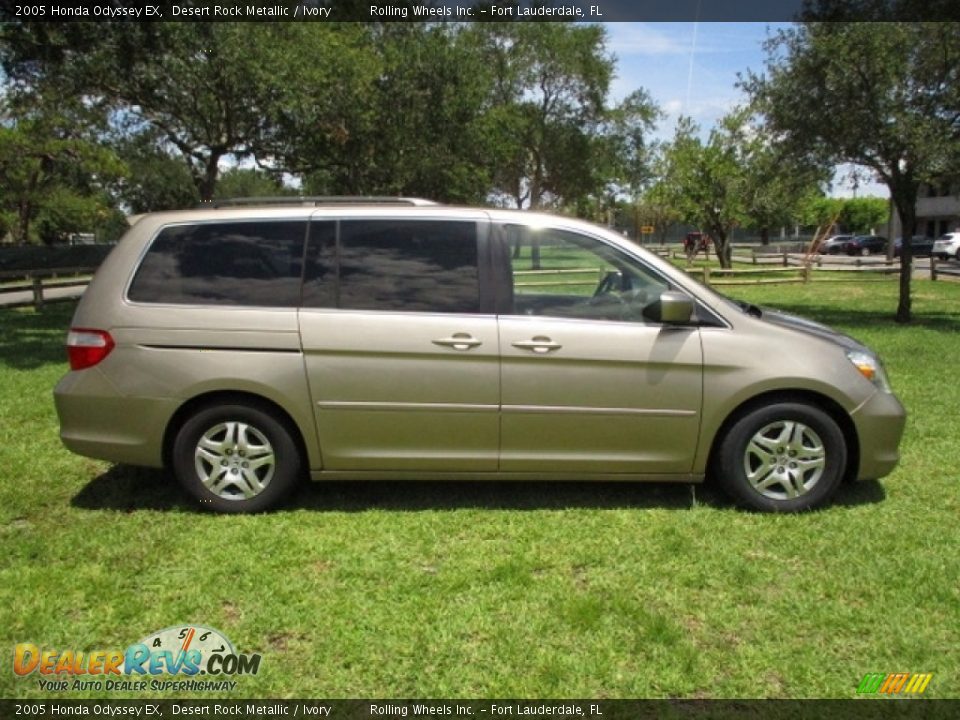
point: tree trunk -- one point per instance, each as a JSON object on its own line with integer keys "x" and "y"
{"x": 23, "y": 223}
{"x": 721, "y": 247}
{"x": 25, "y": 210}
{"x": 208, "y": 183}
{"x": 904, "y": 191}
{"x": 765, "y": 236}
{"x": 907, "y": 208}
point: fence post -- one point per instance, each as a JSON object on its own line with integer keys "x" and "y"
{"x": 933, "y": 267}
{"x": 785, "y": 264}
{"x": 706, "y": 275}
{"x": 37, "y": 291}
{"x": 753, "y": 254}
{"x": 806, "y": 272}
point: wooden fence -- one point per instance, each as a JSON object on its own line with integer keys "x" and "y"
{"x": 36, "y": 282}
{"x": 791, "y": 270}
{"x": 801, "y": 274}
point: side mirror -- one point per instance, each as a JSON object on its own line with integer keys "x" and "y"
{"x": 673, "y": 307}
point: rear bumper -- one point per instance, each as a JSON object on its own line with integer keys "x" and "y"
{"x": 98, "y": 422}
{"x": 879, "y": 422}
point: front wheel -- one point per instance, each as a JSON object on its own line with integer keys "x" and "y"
{"x": 236, "y": 458}
{"x": 785, "y": 457}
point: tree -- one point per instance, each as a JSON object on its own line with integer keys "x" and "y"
{"x": 860, "y": 216}
{"x": 656, "y": 204}
{"x": 156, "y": 179}
{"x": 623, "y": 156}
{"x": 547, "y": 106}
{"x": 210, "y": 89}
{"x": 248, "y": 182}
{"x": 865, "y": 215}
{"x": 417, "y": 127}
{"x": 708, "y": 179}
{"x": 51, "y": 172}
{"x": 775, "y": 185}
{"x": 882, "y": 95}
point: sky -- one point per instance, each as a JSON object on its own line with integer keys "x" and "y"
{"x": 691, "y": 69}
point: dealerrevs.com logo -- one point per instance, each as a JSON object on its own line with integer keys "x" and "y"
{"x": 169, "y": 659}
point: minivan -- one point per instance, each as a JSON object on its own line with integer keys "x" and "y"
{"x": 246, "y": 346}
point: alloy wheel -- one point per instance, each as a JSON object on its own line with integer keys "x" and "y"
{"x": 234, "y": 460}
{"x": 784, "y": 460}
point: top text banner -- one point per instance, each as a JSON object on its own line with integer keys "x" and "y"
{"x": 486, "y": 10}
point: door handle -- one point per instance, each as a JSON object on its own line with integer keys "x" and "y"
{"x": 459, "y": 341}
{"x": 539, "y": 344}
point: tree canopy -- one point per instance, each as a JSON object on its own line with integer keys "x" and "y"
{"x": 736, "y": 177}
{"x": 453, "y": 112}
{"x": 882, "y": 95}
{"x": 54, "y": 176}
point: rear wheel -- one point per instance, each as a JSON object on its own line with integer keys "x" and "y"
{"x": 236, "y": 458}
{"x": 785, "y": 457}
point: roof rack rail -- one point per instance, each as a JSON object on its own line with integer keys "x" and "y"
{"x": 317, "y": 200}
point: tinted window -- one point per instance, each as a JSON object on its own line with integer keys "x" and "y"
{"x": 320, "y": 272}
{"x": 414, "y": 266}
{"x": 241, "y": 263}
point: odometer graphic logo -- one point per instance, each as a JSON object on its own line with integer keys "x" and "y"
{"x": 188, "y": 650}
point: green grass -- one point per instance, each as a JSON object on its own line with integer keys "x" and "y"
{"x": 502, "y": 590}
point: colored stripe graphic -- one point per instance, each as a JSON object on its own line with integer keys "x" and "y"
{"x": 894, "y": 683}
{"x": 871, "y": 683}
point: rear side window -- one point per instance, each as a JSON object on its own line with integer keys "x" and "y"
{"x": 400, "y": 265}
{"x": 239, "y": 263}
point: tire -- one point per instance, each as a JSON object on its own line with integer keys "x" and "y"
{"x": 236, "y": 458}
{"x": 864, "y": 252}
{"x": 760, "y": 459}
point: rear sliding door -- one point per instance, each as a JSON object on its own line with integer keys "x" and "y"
{"x": 400, "y": 344}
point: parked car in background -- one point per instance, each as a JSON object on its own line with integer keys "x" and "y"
{"x": 867, "y": 245}
{"x": 835, "y": 245}
{"x": 947, "y": 246}
{"x": 695, "y": 243}
{"x": 921, "y": 245}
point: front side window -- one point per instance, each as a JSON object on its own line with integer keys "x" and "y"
{"x": 408, "y": 266}
{"x": 557, "y": 273}
{"x": 240, "y": 263}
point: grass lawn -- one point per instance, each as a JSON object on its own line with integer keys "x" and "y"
{"x": 504, "y": 590}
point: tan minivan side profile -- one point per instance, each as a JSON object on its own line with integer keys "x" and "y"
{"x": 247, "y": 346}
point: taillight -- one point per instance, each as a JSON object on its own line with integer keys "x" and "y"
{"x": 86, "y": 347}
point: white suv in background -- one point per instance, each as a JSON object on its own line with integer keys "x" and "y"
{"x": 947, "y": 246}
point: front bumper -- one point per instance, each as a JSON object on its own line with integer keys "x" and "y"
{"x": 879, "y": 422}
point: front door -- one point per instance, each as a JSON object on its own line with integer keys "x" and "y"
{"x": 402, "y": 362}
{"x": 588, "y": 383}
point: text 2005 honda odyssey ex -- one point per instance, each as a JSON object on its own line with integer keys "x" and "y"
{"x": 247, "y": 346}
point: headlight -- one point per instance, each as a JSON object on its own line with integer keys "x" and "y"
{"x": 870, "y": 367}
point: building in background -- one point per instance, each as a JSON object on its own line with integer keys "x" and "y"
{"x": 938, "y": 211}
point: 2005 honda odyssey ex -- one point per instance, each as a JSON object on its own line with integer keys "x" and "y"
{"x": 247, "y": 346}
